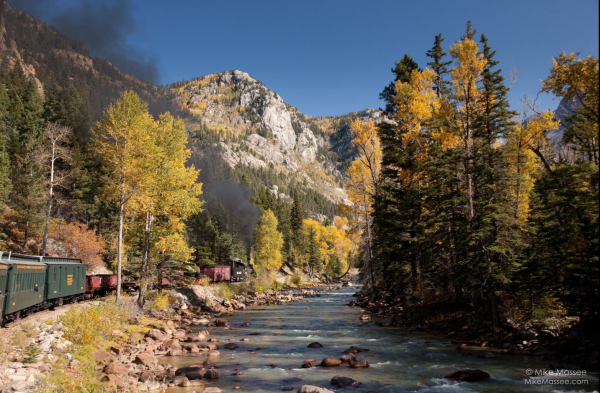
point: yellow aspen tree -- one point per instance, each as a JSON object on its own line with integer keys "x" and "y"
{"x": 121, "y": 139}
{"x": 576, "y": 81}
{"x": 364, "y": 178}
{"x": 268, "y": 242}
{"x": 525, "y": 147}
{"x": 169, "y": 191}
{"x": 466, "y": 75}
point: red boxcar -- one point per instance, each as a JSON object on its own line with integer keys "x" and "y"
{"x": 216, "y": 273}
{"x": 93, "y": 283}
{"x": 109, "y": 280}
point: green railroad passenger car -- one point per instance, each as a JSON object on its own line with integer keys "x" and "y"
{"x": 3, "y": 285}
{"x": 25, "y": 287}
{"x": 31, "y": 283}
{"x": 65, "y": 278}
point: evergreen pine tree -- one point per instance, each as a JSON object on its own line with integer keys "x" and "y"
{"x": 437, "y": 54}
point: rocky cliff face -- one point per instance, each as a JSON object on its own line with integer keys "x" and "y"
{"x": 256, "y": 128}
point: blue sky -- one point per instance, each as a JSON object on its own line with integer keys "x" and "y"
{"x": 331, "y": 57}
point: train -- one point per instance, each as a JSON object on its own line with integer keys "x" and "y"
{"x": 236, "y": 270}
{"x": 31, "y": 283}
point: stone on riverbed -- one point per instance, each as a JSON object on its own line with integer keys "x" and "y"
{"x": 342, "y": 382}
{"x": 185, "y": 370}
{"x": 212, "y": 389}
{"x": 146, "y": 359}
{"x": 359, "y": 364}
{"x": 313, "y": 389}
{"x": 212, "y": 374}
{"x": 231, "y": 346}
{"x": 468, "y": 376}
{"x": 330, "y": 362}
{"x": 315, "y": 345}
{"x": 181, "y": 381}
{"x": 354, "y": 349}
{"x": 348, "y": 359}
{"x": 221, "y": 322}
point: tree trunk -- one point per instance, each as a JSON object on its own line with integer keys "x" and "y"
{"x": 145, "y": 259}
{"x": 120, "y": 245}
{"x": 369, "y": 248}
{"x": 48, "y": 210}
{"x": 26, "y": 235}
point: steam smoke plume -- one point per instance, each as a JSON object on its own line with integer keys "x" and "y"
{"x": 103, "y": 26}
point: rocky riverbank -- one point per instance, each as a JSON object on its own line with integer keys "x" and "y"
{"x": 132, "y": 363}
{"x": 570, "y": 346}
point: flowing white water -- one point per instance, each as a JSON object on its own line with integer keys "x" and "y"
{"x": 271, "y": 360}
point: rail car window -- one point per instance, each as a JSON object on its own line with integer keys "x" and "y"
{"x": 54, "y": 269}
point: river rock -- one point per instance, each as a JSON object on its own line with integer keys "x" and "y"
{"x": 194, "y": 375}
{"x": 359, "y": 364}
{"x": 212, "y": 389}
{"x": 313, "y": 389}
{"x": 342, "y": 382}
{"x": 315, "y": 345}
{"x": 203, "y": 335}
{"x": 348, "y": 358}
{"x": 330, "y": 362}
{"x": 354, "y": 349}
{"x": 212, "y": 374}
{"x": 231, "y": 346}
{"x": 146, "y": 359}
{"x": 245, "y": 324}
{"x": 185, "y": 370}
{"x": 365, "y": 317}
{"x": 181, "y": 381}
{"x": 220, "y": 322}
{"x": 468, "y": 376}
{"x": 115, "y": 368}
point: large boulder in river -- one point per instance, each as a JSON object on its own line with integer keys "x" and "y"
{"x": 468, "y": 376}
{"x": 330, "y": 362}
{"x": 313, "y": 389}
{"x": 342, "y": 382}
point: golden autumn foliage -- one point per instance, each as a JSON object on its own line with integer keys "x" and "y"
{"x": 268, "y": 242}
{"x": 332, "y": 240}
{"x": 524, "y": 166}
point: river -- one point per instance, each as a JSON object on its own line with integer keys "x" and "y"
{"x": 271, "y": 360}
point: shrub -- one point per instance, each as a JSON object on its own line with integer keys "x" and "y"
{"x": 161, "y": 301}
{"x": 86, "y": 325}
{"x": 225, "y": 290}
{"x": 296, "y": 279}
{"x": 31, "y": 353}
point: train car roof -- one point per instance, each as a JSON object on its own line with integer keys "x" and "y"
{"x": 66, "y": 263}
{"x": 25, "y": 263}
{"x": 215, "y": 266}
{"x": 60, "y": 260}
{"x": 7, "y": 255}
